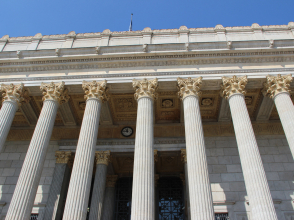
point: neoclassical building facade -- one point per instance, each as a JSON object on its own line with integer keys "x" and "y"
{"x": 187, "y": 124}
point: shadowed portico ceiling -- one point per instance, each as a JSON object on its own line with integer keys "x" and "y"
{"x": 121, "y": 109}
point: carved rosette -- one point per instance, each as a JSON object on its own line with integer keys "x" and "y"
{"x": 102, "y": 157}
{"x": 189, "y": 87}
{"x": 145, "y": 88}
{"x": 155, "y": 156}
{"x": 233, "y": 86}
{"x": 183, "y": 156}
{"x": 277, "y": 84}
{"x": 97, "y": 90}
{"x": 64, "y": 157}
{"x": 111, "y": 180}
{"x": 54, "y": 91}
{"x": 14, "y": 93}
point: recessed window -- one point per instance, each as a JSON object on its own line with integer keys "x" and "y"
{"x": 222, "y": 216}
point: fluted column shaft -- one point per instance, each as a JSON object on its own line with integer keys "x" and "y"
{"x": 80, "y": 182}
{"x": 285, "y": 109}
{"x": 257, "y": 188}
{"x": 109, "y": 198}
{"x": 24, "y": 195}
{"x": 7, "y": 113}
{"x": 58, "y": 189}
{"x": 201, "y": 204}
{"x": 102, "y": 159}
{"x": 143, "y": 199}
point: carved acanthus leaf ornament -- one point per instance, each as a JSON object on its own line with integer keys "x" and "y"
{"x": 102, "y": 157}
{"x": 277, "y": 84}
{"x": 111, "y": 180}
{"x": 14, "y": 93}
{"x": 97, "y": 90}
{"x": 155, "y": 156}
{"x": 183, "y": 156}
{"x": 145, "y": 88}
{"x": 189, "y": 87}
{"x": 63, "y": 156}
{"x": 233, "y": 86}
{"x": 54, "y": 91}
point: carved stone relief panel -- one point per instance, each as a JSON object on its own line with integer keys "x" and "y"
{"x": 123, "y": 108}
{"x": 169, "y": 162}
{"x": 209, "y": 105}
{"x": 167, "y": 107}
{"x": 123, "y": 162}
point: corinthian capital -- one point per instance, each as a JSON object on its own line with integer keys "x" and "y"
{"x": 233, "y": 86}
{"x": 97, "y": 90}
{"x": 145, "y": 88}
{"x": 189, "y": 87}
{"x": 102, "y": 157}
{"x": 14, "y": 93}
{"x": 54, "y": 91}
{"x": 111, "y": 180}
{"x": 184, "y": 156}
{"x": 276, "y": 84}
{"x": 63, "y": 156}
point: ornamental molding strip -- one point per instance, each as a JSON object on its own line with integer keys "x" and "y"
{"x": 233, "y": 85}
{"x": 102, "y": 157}
{"x": 14, "y": 93}
{"x": 97, "y": 90}
{"x": 210, "y": 130}
{"x": 111, "y": 180}
{"x": 183, "y": 156}
{"x": 145, "y": 61}
{"x": 189, "y": 87}
{"x": 277, "y": 84}
{"x": 54, "y": 91}
{"x": 64, "y": 157}
{"x": 145, "y": 88}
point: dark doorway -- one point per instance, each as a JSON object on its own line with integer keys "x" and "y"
{"x": 170, "y": 199}
{"x": 123, "y": 198}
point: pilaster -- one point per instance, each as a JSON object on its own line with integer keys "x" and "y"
{"x": 109, "y": 198}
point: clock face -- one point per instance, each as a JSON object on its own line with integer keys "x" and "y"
{"x": 127, "y": 131}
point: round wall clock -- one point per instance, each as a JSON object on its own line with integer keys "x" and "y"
{"x": 127, "y": 131}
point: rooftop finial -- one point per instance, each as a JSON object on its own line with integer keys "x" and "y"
{"x": 131, "y": 24}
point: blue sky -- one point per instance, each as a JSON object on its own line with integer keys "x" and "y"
{"x": 28, "y": 17}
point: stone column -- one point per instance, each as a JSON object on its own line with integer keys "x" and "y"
{"x": 201, "y": 204}
{"x": 57, "y": 195}
{"x": 184, "y": 160}
{"x": 156, "y": 178}
{"x": 277, "y": 88}
{"x": 26, "y": 188}
{"x": 143, "y": 199}
{"x": 257, "y": 188}
{"x": 80, "y": 181}
{"x": 102, "y": 160}
{"x": 109, "y": 198}
{"x": 12, "y": 97}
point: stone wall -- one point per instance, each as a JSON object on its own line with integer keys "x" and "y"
{"x": 228, "y": 188}
{"x": 227, "y": 179}
{"x": 11, "y": 161}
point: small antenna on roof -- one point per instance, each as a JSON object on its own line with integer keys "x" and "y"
{"x": 131, "y": 24}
